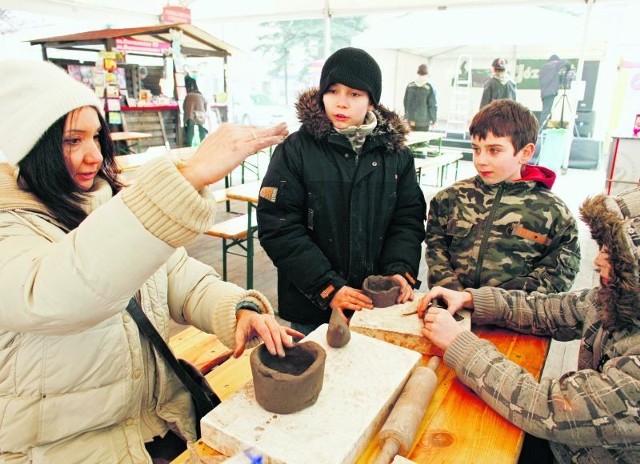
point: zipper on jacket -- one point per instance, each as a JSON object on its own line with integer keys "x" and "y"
{"x": 485, "y": 235}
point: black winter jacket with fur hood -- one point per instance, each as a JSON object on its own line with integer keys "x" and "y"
{"x": 328, "y": 217}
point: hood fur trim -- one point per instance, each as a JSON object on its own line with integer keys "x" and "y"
{"x": 618, "y": 302}
{"x": 392, "y": 129}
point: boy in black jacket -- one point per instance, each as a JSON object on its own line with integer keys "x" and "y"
{"x": 340, "y": 200}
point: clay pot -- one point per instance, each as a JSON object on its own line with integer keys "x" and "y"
{"x": 289, "y": 384}
{"x": 382, "y": 290}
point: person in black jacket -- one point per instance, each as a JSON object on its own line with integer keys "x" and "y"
{"x": 551, "y": 76}
{"x": 340, "y": 200}
{"x": 420, "y": 105}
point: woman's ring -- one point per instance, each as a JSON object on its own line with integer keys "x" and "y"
{"x": 254, "y": 135}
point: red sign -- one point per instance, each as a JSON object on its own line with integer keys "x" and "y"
{"x": 127, "y": 44}
{"x": 175, "y": 14}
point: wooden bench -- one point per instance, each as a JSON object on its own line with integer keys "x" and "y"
{"x": 441, "y": 163}
{"x": 233, "y": 233}
{"x": 201, "y": 349}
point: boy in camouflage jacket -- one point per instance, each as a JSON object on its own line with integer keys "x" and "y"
{"x": 504, "y": 227}
{"x": 591, "y": 415}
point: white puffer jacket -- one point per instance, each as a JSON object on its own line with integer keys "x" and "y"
{"x": 74, "y": 372}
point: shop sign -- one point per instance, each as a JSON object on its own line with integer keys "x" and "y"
{"x": 127, "y": 44}
{"x": 175, "y": 15}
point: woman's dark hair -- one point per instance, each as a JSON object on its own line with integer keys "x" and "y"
{"x": 190, "y": 84}
{"x": 44, "y": 173}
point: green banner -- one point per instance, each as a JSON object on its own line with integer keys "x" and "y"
{"x": 528, "y": 72}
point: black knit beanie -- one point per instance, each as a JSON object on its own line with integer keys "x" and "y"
{"x": 354, "y": 68}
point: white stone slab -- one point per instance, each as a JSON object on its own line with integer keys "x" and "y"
{"x": 392, "y": 325}
{"x": 362, "y": 381}
{"x": 402, "y": 460}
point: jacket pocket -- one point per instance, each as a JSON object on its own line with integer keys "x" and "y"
{"x": 459, "y": 228}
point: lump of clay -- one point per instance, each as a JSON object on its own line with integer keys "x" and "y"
{"x": 338, "y": 333}
{"x": 382, "y": 290}
{"x": 289, "y": 384}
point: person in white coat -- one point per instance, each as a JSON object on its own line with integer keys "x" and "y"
{"x": 78, "y": 381}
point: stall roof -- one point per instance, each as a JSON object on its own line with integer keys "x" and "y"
{"x": 195, "y": 41}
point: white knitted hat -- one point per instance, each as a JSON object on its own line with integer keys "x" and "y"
{"x": 34, "y": 95}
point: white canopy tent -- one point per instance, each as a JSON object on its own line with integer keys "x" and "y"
{"x": 208, "y": 13}
{"x": 423, "y": 29}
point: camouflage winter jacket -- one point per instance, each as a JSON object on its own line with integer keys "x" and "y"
{"x": 513, "y": 235}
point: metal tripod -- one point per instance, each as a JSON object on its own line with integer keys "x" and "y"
{"x": 564, "y": 102}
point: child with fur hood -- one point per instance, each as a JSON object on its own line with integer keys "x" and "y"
{"x": 590, "y": 415}
{"x": 340, "y": 200}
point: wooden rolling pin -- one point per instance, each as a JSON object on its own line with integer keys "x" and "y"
{"x": 400, "y": 428}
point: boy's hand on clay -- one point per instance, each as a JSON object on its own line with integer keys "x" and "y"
{"x": 453, "y": 300}
{"x": 350, "y": 298}
{"x": 406, "y": 292}
{"x": 440, "y": 327}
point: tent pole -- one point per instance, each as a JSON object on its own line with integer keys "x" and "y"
{"x": 327, "y": 28}
{"x": 573, "y": 109}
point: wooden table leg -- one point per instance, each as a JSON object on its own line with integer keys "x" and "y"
{"x": 250, "y": 229}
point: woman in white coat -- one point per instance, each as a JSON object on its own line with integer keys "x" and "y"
{"x": 78, "y": 382}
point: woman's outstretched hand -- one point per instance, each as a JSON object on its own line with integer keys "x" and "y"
{"x": 275, "y": 336}
{"x": 225, "y": 148}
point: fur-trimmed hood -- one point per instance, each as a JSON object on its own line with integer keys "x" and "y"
{"x": 392, "y": 129}
{"x": 615, "y": 224}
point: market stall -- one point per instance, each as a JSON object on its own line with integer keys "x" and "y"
{"x": 140, "y": 98}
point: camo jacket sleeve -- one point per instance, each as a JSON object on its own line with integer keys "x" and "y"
{"x": 592, "y": 411}
{"x": 440, "y": 271}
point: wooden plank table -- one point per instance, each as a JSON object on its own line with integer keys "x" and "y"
{"x": 135, "y": 160}
{"x": 201, "y": 349}
{"x": 126, "y": 137}
{"x": 420, "y": 137}
{"x": 458, "y": 427}
{"x": 417, "y": 137}
{"x": 440, "y": 163}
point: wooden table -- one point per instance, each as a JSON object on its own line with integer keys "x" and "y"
{"x": 135, "y": 160}
{"x": 126, "y": 137}
{"x": 420, "y": 137}
{"x": 458, "y": 427}
{"x": 440, "y": 163}
{"x": 247, "y": 192}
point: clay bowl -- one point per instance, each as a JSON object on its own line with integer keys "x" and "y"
{"x": 382, "y": 291}
{"x": 289, "y": 384}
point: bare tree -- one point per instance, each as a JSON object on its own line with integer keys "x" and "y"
{"x": 303, "y": 36}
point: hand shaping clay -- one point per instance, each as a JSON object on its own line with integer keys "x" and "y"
{"x": 382, "y": 290}
{"x": 289, "y": 384}
{"x": 338, "y": 333}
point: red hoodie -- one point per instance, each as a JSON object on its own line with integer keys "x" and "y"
{"x": 540, "y": 174}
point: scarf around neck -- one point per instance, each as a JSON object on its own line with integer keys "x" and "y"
{"x": 358, "y": 134}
